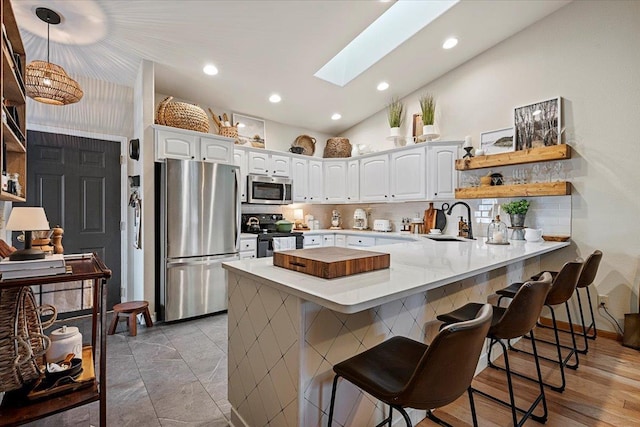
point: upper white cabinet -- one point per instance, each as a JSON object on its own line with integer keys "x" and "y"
{"x": 174, "y": 143}
{"x": 263, "y": 163}
{"x": 353, "y": 181}
{"x": 300, "y": 176}
{"x": 335, "y": 180}
{"x": 442, "y": 174}
{"x": 408, "y": 175}
{"x": 315, "y": 181}
{"x": 240, "y": 159}
{"x": 374, "y": 179}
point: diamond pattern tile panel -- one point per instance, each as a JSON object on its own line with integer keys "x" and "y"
{"x": 288, "y": 347}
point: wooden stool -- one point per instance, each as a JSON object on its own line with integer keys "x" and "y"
{"x": 130, "y": 309}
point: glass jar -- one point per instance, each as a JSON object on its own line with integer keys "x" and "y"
{"x": 497, "y": 232}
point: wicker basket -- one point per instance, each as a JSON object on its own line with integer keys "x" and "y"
{"x": 182, "y": 115}
{"x": 230, "y": 131}
{"x": 337, "y": 147}
{"x": 22, "y": 340}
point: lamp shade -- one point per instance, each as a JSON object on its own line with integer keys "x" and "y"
{"x": 298, "y": 214}
{"x": 50, "y": 84}
{"x": 27, "y": 219}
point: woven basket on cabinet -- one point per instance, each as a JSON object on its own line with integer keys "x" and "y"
{"x": 182, "y": 115}
{"x": 337, "y": 147}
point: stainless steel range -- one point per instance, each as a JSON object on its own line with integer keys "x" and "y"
{"x": 264, "y": 226}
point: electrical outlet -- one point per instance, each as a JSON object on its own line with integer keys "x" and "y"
{"x": 603, "y": 300}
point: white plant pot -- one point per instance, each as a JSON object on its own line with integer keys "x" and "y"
{"x": 394, "y": 132}
{"x": 428, "y": 130}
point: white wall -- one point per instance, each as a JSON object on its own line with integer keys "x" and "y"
{"x": 587, "y": 52}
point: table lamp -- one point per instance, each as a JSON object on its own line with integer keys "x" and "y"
{"x": 27, "y": 219}
{"x": 298, "y": 216}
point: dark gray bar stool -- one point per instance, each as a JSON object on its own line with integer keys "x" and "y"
{"x": 562, "y": 287}
{"x": 508, "y": 323}
{"x": 404, "y": 373}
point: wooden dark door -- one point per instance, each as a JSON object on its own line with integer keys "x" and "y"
{"x": 77, "y": 182}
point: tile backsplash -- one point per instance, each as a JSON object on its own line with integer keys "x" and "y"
{"x": 551, "y": 213}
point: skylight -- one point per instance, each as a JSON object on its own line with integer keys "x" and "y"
{"x": 400, "y": 22}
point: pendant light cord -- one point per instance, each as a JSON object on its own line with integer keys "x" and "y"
{"x": 48, "y": 26}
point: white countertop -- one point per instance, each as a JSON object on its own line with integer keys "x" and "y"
{"x": 415, "y": 267}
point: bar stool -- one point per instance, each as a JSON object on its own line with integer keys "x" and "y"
{"x": 404, "y": 373}
{"x": 128, "y": 311}
{"x": 587, "y": 277}
{"x": 562, "y": 287}
{"x": 508, "y": 323}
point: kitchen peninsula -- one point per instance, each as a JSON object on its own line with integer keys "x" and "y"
{"x": 288, "y": 329}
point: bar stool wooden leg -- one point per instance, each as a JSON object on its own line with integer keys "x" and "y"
{"x": 133, "y": 324}
{"x": 147, "y": 318}
{"x": 114, "y": 324}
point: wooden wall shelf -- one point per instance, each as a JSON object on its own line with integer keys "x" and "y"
{"x": 560, "y": 188}
{"x": 542, "y": 154}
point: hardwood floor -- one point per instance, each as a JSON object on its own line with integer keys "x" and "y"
{"x": 603, "y": 391}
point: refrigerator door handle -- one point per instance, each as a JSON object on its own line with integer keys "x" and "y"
{"x": 199, "y": 261}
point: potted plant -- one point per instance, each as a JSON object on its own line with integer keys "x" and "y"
{"x": 428, "y": 108}
{"x": 395, "y": 115}
{"x": 517, "y": 211}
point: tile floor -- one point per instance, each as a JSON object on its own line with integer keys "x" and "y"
{"x": 168, "y": 375}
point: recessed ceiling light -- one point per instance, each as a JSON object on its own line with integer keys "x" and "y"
{"x": 383, "y": 86}
{"x": 275, "y": 98}
{"x": 397, "y": 24}
{"x": 449, "y": 43}
{"x": 210, "y": 70}
{"x": 336, "y": 116}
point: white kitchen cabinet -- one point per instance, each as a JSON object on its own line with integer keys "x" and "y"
{"x": 300, "y": 176}
{"x": 360, "y": 241}
{"x": 340, "y": 240}
{"x": 215, "y": 150}
{"x": 248, "y": 247}
{"x": 269, "y": 164}
{"x": 408, "y": 175}
{"x": 240, "y": 159}
{"x": 353, "y": 181}
{"x": 312, "y": 241}
{"x": 335, "y": 181}
{"x": 328, "y": 240}
{"x": 315, "y": 181}
{"x": 442, "y": 174}
{"x": 173, "y": 143}
{"x": 374, "y": 179}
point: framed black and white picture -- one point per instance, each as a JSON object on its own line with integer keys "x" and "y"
{"x": 497, "y": 141}
{"x": 251, "y": 131}
{"x": 537, "y": 124}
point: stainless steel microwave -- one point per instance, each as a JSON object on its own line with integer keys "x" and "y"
{"x": 269, "y": 190}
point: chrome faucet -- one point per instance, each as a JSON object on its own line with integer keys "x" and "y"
{"x": 468, "y": 216}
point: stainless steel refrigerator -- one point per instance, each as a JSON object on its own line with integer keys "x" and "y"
{"x": 199, "y": 229}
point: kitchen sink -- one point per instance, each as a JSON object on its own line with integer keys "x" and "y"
{"x": 445, "y": 238}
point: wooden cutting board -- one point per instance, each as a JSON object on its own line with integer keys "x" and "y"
{"x": 331, "y": 262}
{"x": 430, "y": 218}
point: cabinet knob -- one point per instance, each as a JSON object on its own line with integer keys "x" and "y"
{"x": 393, "y": 195}
{"x": 348, "y": 198}
{"x": 385, "y": 195}
{"x": 305, "y": 197}
{"x": 326, "y": 198}
{"x": 193, "y": 157}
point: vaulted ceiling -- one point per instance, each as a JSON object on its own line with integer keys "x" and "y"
{"x": 264, "y": 47}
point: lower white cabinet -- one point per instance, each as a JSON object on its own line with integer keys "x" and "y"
{"x": 360, "y": 241}
{"x": 248, "y": 247}
{"x": 312, "y": 241}
{"x": 328, "y": 240}
{"x": 340, "y": 240}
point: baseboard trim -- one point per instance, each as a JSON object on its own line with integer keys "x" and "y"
{"x": 578, "y": 329}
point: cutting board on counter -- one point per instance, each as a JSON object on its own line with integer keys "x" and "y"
{"x": 331, "y": 262}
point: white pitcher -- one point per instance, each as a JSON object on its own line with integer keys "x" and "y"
{"x": 532, "y": 234}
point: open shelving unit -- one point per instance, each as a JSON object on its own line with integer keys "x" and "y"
{"x": 13, "y": 156}
{"x": 531, "y": 155}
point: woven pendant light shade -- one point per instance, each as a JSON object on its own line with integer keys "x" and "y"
{"x": 49, "y": 83}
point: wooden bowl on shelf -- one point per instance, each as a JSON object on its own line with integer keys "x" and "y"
{"x": 556, "y": 238}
